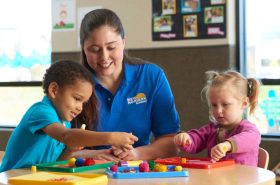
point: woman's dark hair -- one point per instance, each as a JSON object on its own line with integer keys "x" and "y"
{"x": 96, "y": 19}
{"x": 67, "y": 72}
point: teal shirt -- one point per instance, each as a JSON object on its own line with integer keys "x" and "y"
{"x": 28, "y": 144}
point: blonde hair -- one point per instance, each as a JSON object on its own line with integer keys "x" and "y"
{"x": 247, "y": 87}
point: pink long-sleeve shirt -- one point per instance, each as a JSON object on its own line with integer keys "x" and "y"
{"x": 245, "y": 139}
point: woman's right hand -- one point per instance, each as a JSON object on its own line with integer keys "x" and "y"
{"x": 123, "y": 140}
{"x": 182, "y": 139}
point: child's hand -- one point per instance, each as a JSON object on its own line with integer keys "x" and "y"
{"x": 182, "y": 139}
{"x": 219, "y": 151}
{"x": 123, "y": 140}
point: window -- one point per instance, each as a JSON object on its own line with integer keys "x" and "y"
{"x": 25, "y": 54}
{"x": 260, "y": 58}
{"x": 15, "y": 100}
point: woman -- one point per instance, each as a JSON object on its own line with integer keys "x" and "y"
{"x": 134, "y": 96}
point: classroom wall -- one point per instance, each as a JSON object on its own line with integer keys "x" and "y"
{"x": 136, "y": 17}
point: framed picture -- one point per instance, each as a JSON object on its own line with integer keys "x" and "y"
{"x": 168, "y": 7}
{"x": 190, "y": 6}
{"x": 190, "y": 26}
{"x": 214, "y": 14}
{"x": 162, "y": 24}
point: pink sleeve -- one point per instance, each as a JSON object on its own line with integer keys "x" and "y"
{"x": 247, "y": 138}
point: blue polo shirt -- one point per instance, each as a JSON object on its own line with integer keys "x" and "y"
{"x": 28, "y": 144}
{"x": 143, "y": 104}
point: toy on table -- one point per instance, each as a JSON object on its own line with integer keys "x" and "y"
{"x": 202, "y": 163}
{"x": 146, "y": 169}
{"x": 33, "y": 169}
{"x": 122, "y": 163}
{"x": 51, "y": 178}
{"x": 75, "y": 165}
{"x": 83, "y": 127}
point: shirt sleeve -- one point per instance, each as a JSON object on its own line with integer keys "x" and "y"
{"x": 247, "y": 138}
{"x": 164, "y": 116}
{"x": 41, "y": 116}
{"x": 200, "y": 137}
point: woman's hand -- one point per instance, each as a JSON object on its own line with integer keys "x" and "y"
{"x": 125, "y": 155}
{"x": 68, "y": 151}
{"x": 105, "y": 154}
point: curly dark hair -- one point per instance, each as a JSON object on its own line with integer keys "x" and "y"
{"x": 68, "y": 72}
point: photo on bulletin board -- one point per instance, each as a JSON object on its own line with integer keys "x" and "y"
{"x": 168, "y": 7}
{"x": 189, "y": 6}
{"x": 190, "y": 25}
{"x": 188, "y": 19}
{"x": 162, "y": 24}
{"x": 213, "y": 2}
{"x": 214, "y": 15}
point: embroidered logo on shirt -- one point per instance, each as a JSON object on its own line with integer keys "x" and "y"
{"x": 138, "y": 99}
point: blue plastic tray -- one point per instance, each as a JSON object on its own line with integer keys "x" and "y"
{"x": 121, "y": 175}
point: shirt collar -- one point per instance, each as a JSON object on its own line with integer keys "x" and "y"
{"x": 47, "y": 101}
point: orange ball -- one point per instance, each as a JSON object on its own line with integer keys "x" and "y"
{"x": 71, "y": 162}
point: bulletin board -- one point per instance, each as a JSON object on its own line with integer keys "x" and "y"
{"x": 188, "y": 19}
{"x": 136, "y": 17}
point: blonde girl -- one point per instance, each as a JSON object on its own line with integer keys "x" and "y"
{"x": 228, "y": 135}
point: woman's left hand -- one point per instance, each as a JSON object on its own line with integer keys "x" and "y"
{"x": 125, "y": 155}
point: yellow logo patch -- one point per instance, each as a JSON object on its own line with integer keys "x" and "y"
{"x": 138, "y": 99}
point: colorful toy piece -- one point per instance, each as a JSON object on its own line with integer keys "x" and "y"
{"x": 114, "y": 168}
{"x": 122, "y": 163}
{"x": 33, "y": 169}
{"x": 89, "y": 162}
{"x": 178, "y": 168}
{"x": 144, "y": 167}
{"x": 184, "y": 160}
{"x": 135, "y": 172}
{"x": 71, "y": 162}
{"x": 79, "y": 162}
{"x": 69, "y": 166}
{"x": 202, "y": 163}
{"x": 160, "y": 168}
{"x": 152, "y": 165}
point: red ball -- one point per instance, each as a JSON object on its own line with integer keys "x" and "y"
{"x": 114, "y": 168}
{"x": 89, "y": 162}
{"x": 144, "y": 167}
